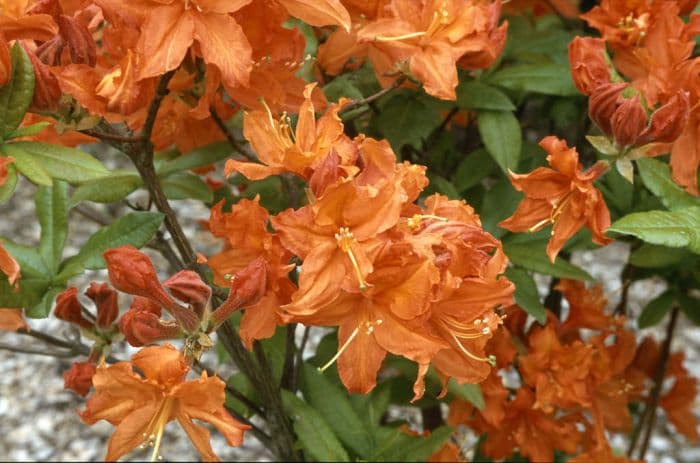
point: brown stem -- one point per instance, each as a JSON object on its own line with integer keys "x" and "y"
{"x": 364, "y": 101}
{"x": 230, "y": 137}
{"x": 48, "y": 339}
{"x": 299, "y": 358}
{"x": 290, "y": 348}
{"x": 21, "y": 350}
{"x": 106, "y": 136}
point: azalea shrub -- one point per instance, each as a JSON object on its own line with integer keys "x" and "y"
{"x": 396, "y": 190}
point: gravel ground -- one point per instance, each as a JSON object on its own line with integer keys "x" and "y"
{"x": 39, "y": 420}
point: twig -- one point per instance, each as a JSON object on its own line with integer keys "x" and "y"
{"x": 162, "y": 245}
{"x": 48, "y": 339}
{"x": 161, "y": 92}
{"x": 91, "y": 214}
{"x": 112, "y": 136}
{"x": 364, "y": 101}
{"x": 11, "y": 348}
{"x": 289, "y": 354}
{"x": 299, "y": 358}
{"x": 229, "y": 135}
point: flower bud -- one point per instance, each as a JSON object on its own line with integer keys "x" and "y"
{"x": 80, "y": 43}
{"x": 247, "y": 287}
{"x": 142, "y": 303}
{"x": 628, "y": 121}
{"x": 602, "y": 105}
{"x": 187, "y": 286}
{"x": 589, "y": 69}
{"x": 47, "y": 92}
{"x": 79, "y": 377}
{"x": 141, "y": 327}
{"x": 105, "y": 299}
{"x": 69, "y": 308}
{"x": 132, "y": 272}
{"x": 5, "y": 62}
{"x": 667, "y": 122}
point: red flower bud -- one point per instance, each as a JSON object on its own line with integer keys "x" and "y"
{"x": 667, "y": 122}
{"x": 628, "y": 121}
{"x": 187, "y": 286}
{"x": 589, "y": 69}
{"x": 602, "y": 105}
{"x": 132, "y": 272}
{"x": 105, "y": 299}
{"x": 69, "y": 308}
{"x": 5, "y": 62}
{"x": 247, "y": 287}
{"x": 80, "y": 43}
{"x": 141, "y": 327}
{"x": 79, "y": 377}
{"x": 47, "y": 92}
{"x": 142, "y": 303}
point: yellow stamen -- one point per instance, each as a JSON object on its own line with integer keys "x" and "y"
{"x": 410, "y": 35}
{"x": 156, "y": 427}
{"x": 415, "y": 221}
{"x": 490, "y": 359}
{"x": 341, "y": 350}
{"x": 345, "y": 239}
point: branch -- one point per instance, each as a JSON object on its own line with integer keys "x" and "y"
{"x": 11, "y": 348}
{"x": 288, "y": 367}
{"x": 232, "y": 140}
{"x": 364, "y": 101}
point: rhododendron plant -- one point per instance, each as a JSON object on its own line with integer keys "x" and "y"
{"x": 303, "y": 222}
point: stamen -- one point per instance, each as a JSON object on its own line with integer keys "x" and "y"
{"x": 341, "y": 350}
{"x": 411, "y": 35}
{"x": 345, "y": 238}
{"x": 490, "y": 359}
{"x": 415, "y": 221}
{"x": 540, "y": 225}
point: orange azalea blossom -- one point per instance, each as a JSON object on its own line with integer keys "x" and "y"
{"x": 299, "y": 151}
{"x": 141, "y": 406}
{"x": 586, "y": 308}
{"x": 678, "y": 401}
{"x": 589, "y": 68}
{"x": 563, "y": 196}
{"x": 432, "y": 36}
{"x": 12, "y": 320}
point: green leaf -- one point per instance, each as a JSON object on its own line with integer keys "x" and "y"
{"x": 27, "y": 165}
{"x": 333, "y": 405}
{"x": 548, "y": 79}
{"x": 690, "y": 307}
{"x": 183, "y": 185}
{"x": 135, "y": 229}
{"x": 16, "y": 95}
{"x": 198, "y": 157}
{"x": 406, "y": 120}
{"x": 532, "y": 256}
{"x": 342, "y": 86}
{"x": 676, "y": 229}
{"x": 8, "y": 188}
{"x": 656, "y": 309}
{"x": 27, "y": 131}
{"x": 473, "y": 169}
{"x": 30, "y": 293}
{"x": 410, "y": 448}
{"x": 499, "y": 202}
{"x": 42, "y": 309}
{"x": 469, "y": 392}
{"x": 315, "y": 435}
{"x": 52, "y": 211}
{"x": 478, "y": 95}
{"x": 526, "y": 295}
{"x": 107, "y": 190}
{"x": 60, "y": 162}
{"x": 29, "y": 260}
{"x": 656, "y": 176}
{"x": 442, "y": 185}
{"x": 500, "y": 131}
{"x": 654, "y": 256}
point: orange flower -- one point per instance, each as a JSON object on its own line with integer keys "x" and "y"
{"x": 563, "y": 196}
{"x": 588, "y": 66}
{"x": 141, "y": 407}
{"x": 9, "y": 266}
{"x": 586, "y": 308}
{"x": 12, "y": 320}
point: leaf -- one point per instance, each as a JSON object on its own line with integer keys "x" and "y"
{"x": 42, "y": 309}
{"x": 478, "y": 95}
{"x": 654, "y": 256}
{"x": 532, "y": 256}
{"x": 342, "y": 86}
{"x": 106, "y": 190}
{"x": 469, "y": 392}
{"x": 656, "y": 309}
{"x": 500, "y": 131}
{"x": 27, "y": 131}
{"x": 656, "y": 176}
{"x": 60, "y": 162}
{"x": 417, "y": 448}
{"x": 499, "y": 202}
{"x": 406, "y": 120}
{"x": 603, "y": 145}
{"x": 676, "y": 229}
{"x": 29, "y": 260}
{"x": 526, "y": 295}
{"x": 473, "y": 169}
{"x": 135, "y": 229}
{"x": 625, "y": 168}
{"x": 442, "y": 185}
{"x": 27, "y": 165}
{"x": 333, "y": 405}
{"x": 52, "y": 211}
{"x": 16, "y": 95}
{"x": 548, "y": 79}
{"x": 30, "y": 293}
{"x": 315, "y": 435}
{"x": 690, "y": 307}
{"x": 198, "y": 157}
{"x": 8, "y": 188}
{"x": 183, "y": 185}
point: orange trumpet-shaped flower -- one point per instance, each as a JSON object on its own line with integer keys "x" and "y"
{"x": 141, "y": 407}
{"x": 563, "y": 196}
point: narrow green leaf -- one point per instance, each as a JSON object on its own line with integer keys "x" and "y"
{"x": 16, "y": 95}
{"x": 30, "y": 293}
{"x": 478, "y": 95}
{"x": 442, "y": 185}
{"x": 333, "y": 405}
{"x": 29, "y": 260}
{"x": 602, "y": 144}
{"x": 198, "y": 157}
{"x": 315, "y": 435}
{"x": 42, "y": 309}
{"x": 656, "y": 176}
{"x": 342, "y": 86}
{"x": 418, "y": 448}
{"x": 532, "y": 256}
{"x": 690, "y": 307}
{"x": 27, "y": 131}
{"x": 135, "y": 229}
{"x": 500, "y": 131}
{"x": 469, "y": 392}
{"x": 7, "y": 189}
{"x": 654, "y": 256}
{"x": 27, "y": 165}
{"x": 548, "y": 79}
{"x": 526, "y": 295}
{"x": 473, "y": 169}
{"x": 183, "y": 185}
{"x": 656, "y": 309}
{"x": 52, "y": 211}
{"x": 406, "y": 120}
{"x": 60, "y": 162}
{"x": 106, "y": 190}
{"x": 676, "y": 229}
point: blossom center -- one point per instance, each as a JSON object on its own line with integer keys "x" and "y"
{"x": 476, "y": 329}
{"x": 367, "y": 327}
{"x": 154, "y": 431}
{"x": 345, "y": 240}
